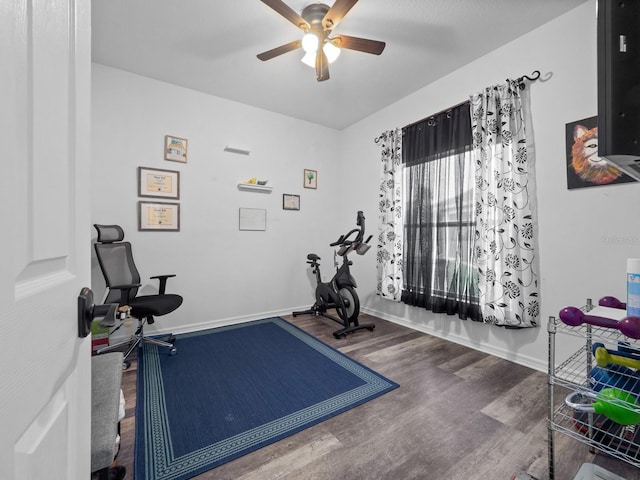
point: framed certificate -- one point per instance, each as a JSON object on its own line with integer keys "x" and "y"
{"x": 158, "y": 216}
{"x": 158, "y": 183}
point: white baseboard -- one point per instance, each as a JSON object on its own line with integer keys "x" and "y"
{"x": 520, "y": 359}
{"x": 221, "y": 322}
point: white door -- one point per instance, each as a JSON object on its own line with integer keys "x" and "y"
{"x": 45, "y": 368}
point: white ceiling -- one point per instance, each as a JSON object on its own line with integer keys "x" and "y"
{"x": 211, "y": 46}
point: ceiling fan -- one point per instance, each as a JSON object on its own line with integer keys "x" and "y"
{"x": 317, "y": 21}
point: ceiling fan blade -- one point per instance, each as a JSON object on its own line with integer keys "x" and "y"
{"x": 274, "y": 52}
{"x": 336, "y": 13}
{"x": 322, "y": 66}
{"x": 360, "y": 44}
{"x": 288, "y": 13}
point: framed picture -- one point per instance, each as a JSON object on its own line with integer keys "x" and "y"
{"x": 253, "y": 219}
{"x": 310, "y": 178}
{"x": 158, "y": 216}
{"x": 584, "y": 167}
{"x": 290, "y": 202}
{"x": 175, "y": 149}
{"x": 158, "y": 183}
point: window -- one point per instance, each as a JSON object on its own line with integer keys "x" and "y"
{"x": 439, "y": 220}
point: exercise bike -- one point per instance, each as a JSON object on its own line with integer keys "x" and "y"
{"x": 339, "y": 293}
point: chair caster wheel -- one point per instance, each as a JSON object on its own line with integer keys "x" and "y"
{"x": 371, "y": 328}
{"x": 126, "y": 364}
{"x": 173, "y": 351}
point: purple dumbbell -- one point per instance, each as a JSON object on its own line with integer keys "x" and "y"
{"x": 629, "y": 326}
{"x": 612, "y": 302}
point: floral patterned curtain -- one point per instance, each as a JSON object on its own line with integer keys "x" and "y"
{"x": 505, "y": 238}
{"x": 389, "y": 266}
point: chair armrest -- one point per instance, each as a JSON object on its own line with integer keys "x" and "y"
{"x": 163, "y": 282}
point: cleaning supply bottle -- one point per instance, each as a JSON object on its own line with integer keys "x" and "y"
{"x": 633, "y": 287}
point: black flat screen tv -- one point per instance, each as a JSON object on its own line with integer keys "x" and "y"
{"x": 619, "y": 84}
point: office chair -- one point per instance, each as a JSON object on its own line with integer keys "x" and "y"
{"x": 123, "y": 280}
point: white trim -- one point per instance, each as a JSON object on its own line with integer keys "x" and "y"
{"x": 221, "y": 322}
{"x": 523, "y": 360}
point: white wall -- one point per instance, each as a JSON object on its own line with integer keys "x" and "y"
{"x": 585, "y": 236}
{"x": 224, "y": 274}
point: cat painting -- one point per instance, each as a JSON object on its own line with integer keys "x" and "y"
{"x": 584, "y": 167}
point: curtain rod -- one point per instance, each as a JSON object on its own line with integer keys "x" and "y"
{"x": 519, "y": 81}
{"x": 381, "y": 136}
{"x": 535, "y": 75}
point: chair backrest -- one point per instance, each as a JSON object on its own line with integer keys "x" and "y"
{"x": 116, "y": 261}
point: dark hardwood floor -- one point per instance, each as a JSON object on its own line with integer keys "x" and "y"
{"x": 458, "y": 414}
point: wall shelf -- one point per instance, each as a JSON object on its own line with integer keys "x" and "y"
{"x": 254, "y": 187}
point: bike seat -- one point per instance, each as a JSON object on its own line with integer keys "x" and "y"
{"x": 313, "y": 257}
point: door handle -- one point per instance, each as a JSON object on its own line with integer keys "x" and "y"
{"x": 88, "y": 312}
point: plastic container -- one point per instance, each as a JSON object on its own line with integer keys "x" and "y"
{"x": 589, "y": 471}
{"x": 633, "y": 287}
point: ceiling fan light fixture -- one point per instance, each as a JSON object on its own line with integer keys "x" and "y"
{"x": 310, "y": 43}
{"x": 309, "y": 59}
{"x": 317, "y": 22}
{"x": 331, "y": 51}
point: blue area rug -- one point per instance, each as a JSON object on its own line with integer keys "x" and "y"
{"x": 232, "y": 390}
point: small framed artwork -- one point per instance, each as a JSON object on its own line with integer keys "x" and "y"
{"x": 310, "y": 178}
{"x": 290, "y": 202}
{"x": 175, "y": 148}
{"x": 158, "y": 183}
{"x": 158, "y": 216}
{"x": 253, "y": 219}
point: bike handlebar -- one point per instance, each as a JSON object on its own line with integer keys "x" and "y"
{"x": 344, "y": 241}
{"x": 337, "y": 242}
